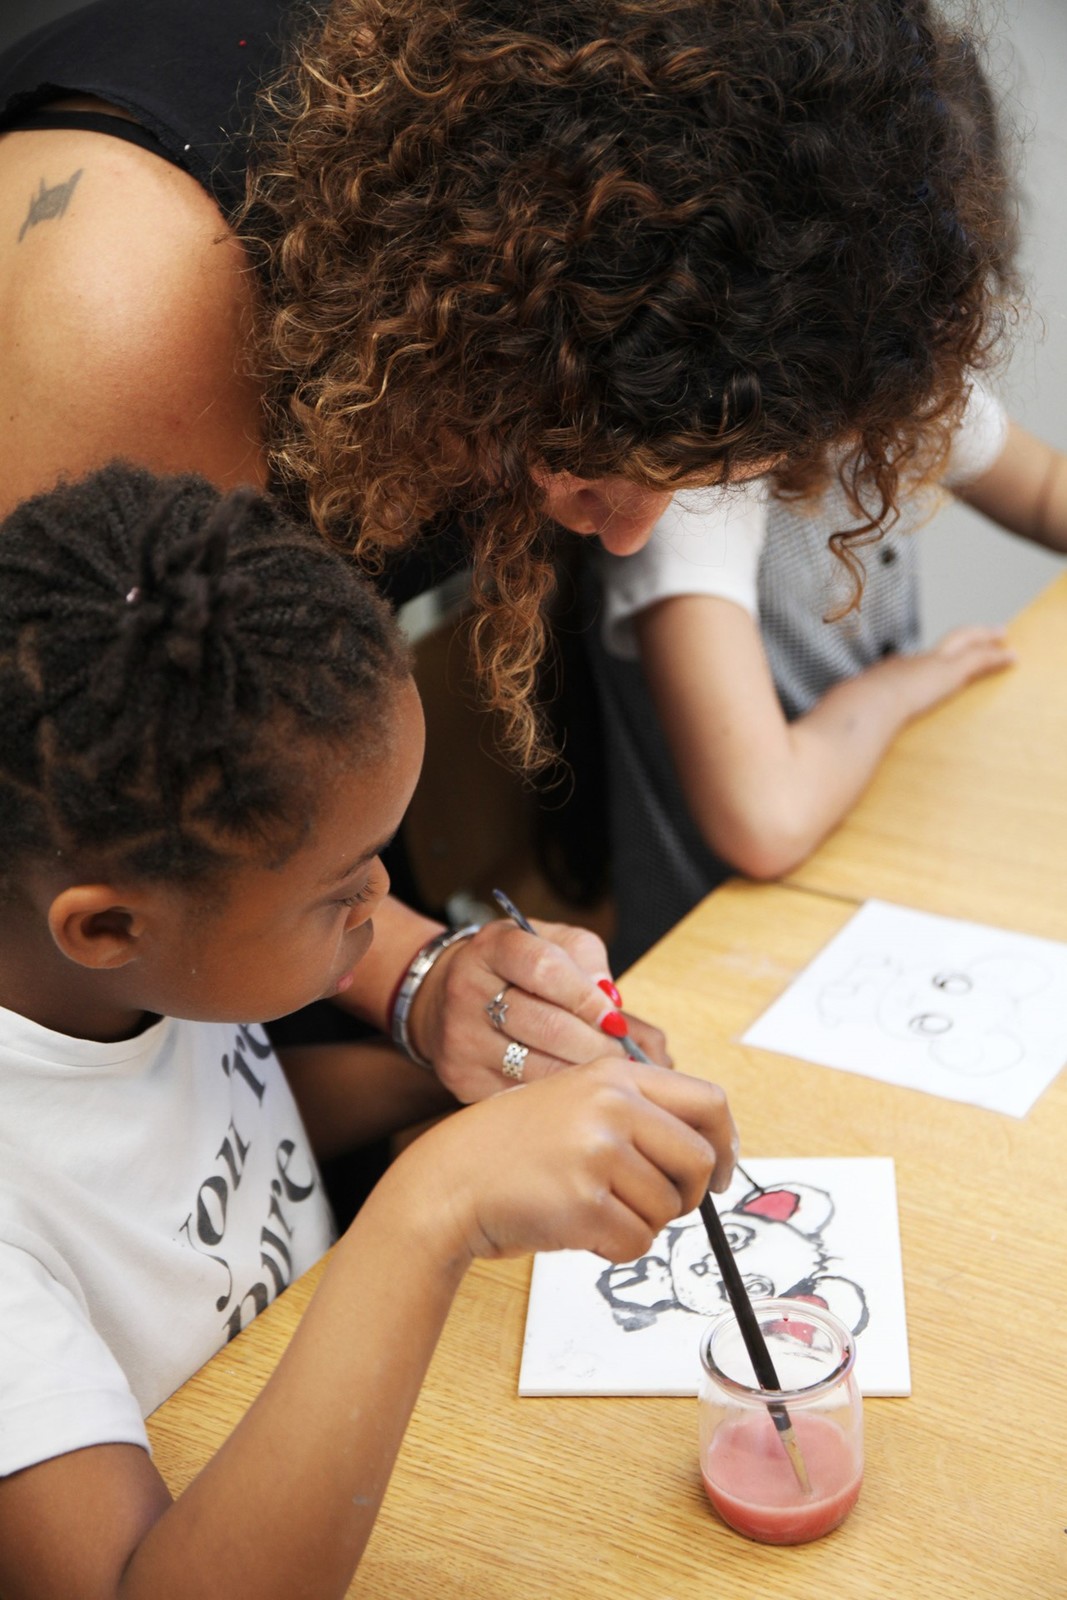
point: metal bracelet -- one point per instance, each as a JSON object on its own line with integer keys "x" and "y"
{"x": 412, "y": 982}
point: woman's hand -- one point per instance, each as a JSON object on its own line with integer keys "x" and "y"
{"x": 599, "y": 1158}
{"x": 544, "y": 991}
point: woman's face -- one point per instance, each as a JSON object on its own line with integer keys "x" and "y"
{"x": 619, "y": 513}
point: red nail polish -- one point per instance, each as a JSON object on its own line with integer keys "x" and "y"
{"x": 614, "y": 1025}
{"x": 610, "y": 990}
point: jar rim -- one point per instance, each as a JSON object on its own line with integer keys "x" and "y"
{"x": 819, "y": 1315}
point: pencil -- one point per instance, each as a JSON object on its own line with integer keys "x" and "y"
{"x": 613, "y": 1024}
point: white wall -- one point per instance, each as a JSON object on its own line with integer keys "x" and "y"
{"x": 971, "y": 571}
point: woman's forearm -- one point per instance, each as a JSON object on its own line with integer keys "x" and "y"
{"x": 398, "y": 933}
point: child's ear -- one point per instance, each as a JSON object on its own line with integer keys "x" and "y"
{"x": 95, "y": 926}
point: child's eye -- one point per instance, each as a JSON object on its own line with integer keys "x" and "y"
{"x": 360, "y": 898}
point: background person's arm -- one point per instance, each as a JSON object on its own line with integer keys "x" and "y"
{"x": 763, "y": 791}
{"x": 1025, "y": 490}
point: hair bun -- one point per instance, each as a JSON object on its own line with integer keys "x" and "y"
{"x": 185, "y": 599}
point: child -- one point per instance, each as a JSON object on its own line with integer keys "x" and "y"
{"x": 209, "y": 733}
{"x": 742, "y": 724}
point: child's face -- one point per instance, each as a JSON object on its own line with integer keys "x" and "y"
{"x": 286, "y": 936}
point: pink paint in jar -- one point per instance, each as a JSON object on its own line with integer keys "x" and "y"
{"x": 748, "y": 1474}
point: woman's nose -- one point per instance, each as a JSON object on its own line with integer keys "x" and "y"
{"x": 620, "y": 513}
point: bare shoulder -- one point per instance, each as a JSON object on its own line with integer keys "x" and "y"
{"x": 128, "y": 301}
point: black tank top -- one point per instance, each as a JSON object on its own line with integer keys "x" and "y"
{"x": 187, "y": 70}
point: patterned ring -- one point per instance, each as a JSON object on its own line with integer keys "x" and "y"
{"x": 514, "y": 1059}
{"x": 497, "y": 1009}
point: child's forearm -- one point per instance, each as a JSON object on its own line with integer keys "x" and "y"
{"x": 763, "y": 792}
{"x": 780, "y": 804}
{"x": 834, "y": 751}
{"x": 289, "y": 1502}
{"x": 1025, "y": 490}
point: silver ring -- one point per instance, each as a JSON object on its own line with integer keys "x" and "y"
{"x": 497, "y": 1009}
{"x": 514, "y": 1060}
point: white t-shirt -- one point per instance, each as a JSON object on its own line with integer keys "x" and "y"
{"x": 155, "y": 1195}
{"x": 709, "y": 541}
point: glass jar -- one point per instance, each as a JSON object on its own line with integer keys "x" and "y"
{"x": 782, "y": 1466}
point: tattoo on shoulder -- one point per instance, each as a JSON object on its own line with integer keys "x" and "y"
{"x": 49, "y": 203}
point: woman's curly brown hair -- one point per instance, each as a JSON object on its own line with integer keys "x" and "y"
{"x": 655, "y": 238}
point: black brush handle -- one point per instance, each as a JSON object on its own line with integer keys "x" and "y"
{"x": 747, "y": 1320}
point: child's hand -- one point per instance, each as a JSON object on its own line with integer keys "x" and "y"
{"x": 961, "y": 657}
{"x": 599, "y": 1158}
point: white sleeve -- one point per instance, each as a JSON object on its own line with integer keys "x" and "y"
{"x": 979, "y": 439}
{"x": 708, "y": 541}
{"x": 61, "y": 1389}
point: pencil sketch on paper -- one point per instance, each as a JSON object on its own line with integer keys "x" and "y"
{"x": 820, "y": 1229}
{"x": 969, "y": 1018}
{"x": 954, "y": 1008}
{"x": 778, "y": 1236}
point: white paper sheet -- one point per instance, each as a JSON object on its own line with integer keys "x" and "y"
{"x": 956, "y": 1009}
{"x": 826, "y": 1228}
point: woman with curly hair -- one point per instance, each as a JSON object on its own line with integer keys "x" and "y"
{"x": 496, "y": 270}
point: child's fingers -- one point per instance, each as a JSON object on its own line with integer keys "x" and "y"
{"x": 653, "y": 1040}
{"x": 703, "y": 1109}
{"x": 644, "y": 1185}
{"x": 980, "y": 659}
{"x": 973, "y": 636}
{"x": 681, "y": 1156}
{"x": 620, "y": 1233}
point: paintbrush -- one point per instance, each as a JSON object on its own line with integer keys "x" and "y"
{"x": 752, "y": 1334}
{"x": 613, "y": 1023}
{"x": 614, "y": 1026}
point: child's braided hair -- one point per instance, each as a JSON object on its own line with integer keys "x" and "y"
{"x": 161, "y": 645}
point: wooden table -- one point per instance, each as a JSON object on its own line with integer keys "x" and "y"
{"x": 968, "y": 816}
{"x": 497, "y": 1498}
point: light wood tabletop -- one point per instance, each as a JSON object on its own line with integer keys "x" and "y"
{"x": 500, "y": 1498}
{"x": 968, "y": 814}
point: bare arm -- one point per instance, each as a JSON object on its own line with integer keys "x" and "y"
{"x": 127, "y": 313}
{"x": 1025, "y": 490}
{"x": 350, "y": 1094}
{"x": 764, "y": 791}
{"x": 600, "y": 1158}
{"x": 554, "y": 1003}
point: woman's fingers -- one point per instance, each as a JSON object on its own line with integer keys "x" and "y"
{"x": 505, "y": 985}
{"x": 653, "y": 1041}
